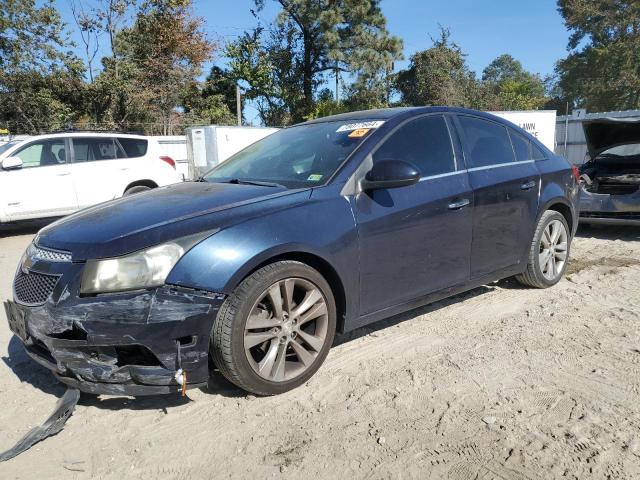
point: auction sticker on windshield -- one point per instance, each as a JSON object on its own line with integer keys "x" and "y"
{"x": 360, "y": 126}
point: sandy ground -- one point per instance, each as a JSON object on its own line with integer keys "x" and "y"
{"x": 501, "y": 382}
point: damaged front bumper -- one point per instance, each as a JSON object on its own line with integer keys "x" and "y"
{"x": 136, "y": 343}
{"x": 607, "y": 209}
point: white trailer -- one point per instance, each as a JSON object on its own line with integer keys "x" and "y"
{"x": 175, "y": 147}
{"x": 208, "y": 146}
{"x": 539, "y": 123}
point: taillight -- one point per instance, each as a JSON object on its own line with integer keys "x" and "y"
{"x": 169, "y": 160}
{"x": 576, "y": 173}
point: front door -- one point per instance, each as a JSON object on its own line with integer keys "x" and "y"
{"x": 506, "y": 196}
{"x": 415, "y": 240}
{"x": 43, "y": 187}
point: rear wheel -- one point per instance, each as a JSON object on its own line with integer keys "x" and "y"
{"x": 275, "y": 330}
{"x": 549, "y": 252}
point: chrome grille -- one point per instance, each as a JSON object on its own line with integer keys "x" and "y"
{"x": 39, "y": 253}
{"x": 33, "y": 288}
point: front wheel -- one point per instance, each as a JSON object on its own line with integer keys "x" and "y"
{"x": 549, "y": 252}
{"x": 275, "y": 330}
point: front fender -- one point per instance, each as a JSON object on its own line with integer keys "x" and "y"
{"x": 322, "y": 227}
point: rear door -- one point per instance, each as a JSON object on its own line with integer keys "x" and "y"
{"x": 43, "y": 186}
{"x": 415, "y": 240}
{"x": 100, "y": 169}
{"x": 505, "y": 192}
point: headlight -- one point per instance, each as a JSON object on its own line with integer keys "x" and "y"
{"x": 147, "y": 268}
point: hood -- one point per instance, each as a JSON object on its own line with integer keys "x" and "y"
{"x": 131, "y": 223}
{"x": 606, "y": 133}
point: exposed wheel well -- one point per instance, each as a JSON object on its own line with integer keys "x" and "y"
{"x": 565, "y": 211}
{"x": 142, "y": 183}
{"x": 326, "y": 270}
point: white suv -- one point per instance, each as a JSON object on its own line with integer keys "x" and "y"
{"x": 55, "y": 175}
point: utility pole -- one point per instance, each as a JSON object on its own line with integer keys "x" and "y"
{"x": 337, "y": 83}
{"x": 566, "y": 130}
{"x": 239, "y": 105}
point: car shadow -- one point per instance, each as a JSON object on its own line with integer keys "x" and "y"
{"x": 27, "y": 227}
{"x": 29, "y": 371}
{"x": 396, "y": 319}
{"x": 626, "y": 233}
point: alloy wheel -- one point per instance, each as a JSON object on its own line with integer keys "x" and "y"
{"x": 286, "y": 329}
{"x": 553, "y": 250}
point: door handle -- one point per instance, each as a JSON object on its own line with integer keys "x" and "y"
{"x": 528, "y": 185}
{"x": 63, "y": 174}
{"x": 458, "y": 204}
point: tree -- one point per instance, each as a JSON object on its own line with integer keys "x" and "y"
{"x": 155, "y": 61}
{"x": 602, "y": 70}
{"x": 317, "y": 39}
{"x": 211, "y": 102}
{"x": 220, "y": 83}
{"x": 510, "y": 87}
{"x": 39, "y": 77}
{"x": 439, "y": 76}
{"x": 265, "y": 61}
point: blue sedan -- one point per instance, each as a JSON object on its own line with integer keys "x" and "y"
{"x": 320, "y": 228}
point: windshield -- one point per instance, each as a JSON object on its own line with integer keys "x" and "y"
{"x": 296, "y": 157}
{"x": 7, "y": 146}
{"x": 632, "y": 150}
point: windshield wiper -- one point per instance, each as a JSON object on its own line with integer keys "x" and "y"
{"x": 242, "y": 181}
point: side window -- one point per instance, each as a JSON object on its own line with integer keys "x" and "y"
{"x": 487, "y": 143}
{"x": 133, "y": 147}
{"x": 424, "y": 142}
{"x": 42, "y": 154}
{"x": 537, "y": 153}
{"x": 90, "y": 149}
{"x": 521, "y": 145}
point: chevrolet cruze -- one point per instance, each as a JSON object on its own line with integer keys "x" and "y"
{"x": 320, "y": 228}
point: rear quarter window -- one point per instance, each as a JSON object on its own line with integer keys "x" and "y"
{"x": 134, "y": 147}
{"x": 486, "y": 143}
{"x": 521, "y": 146}
{"x": 537, "y": 153}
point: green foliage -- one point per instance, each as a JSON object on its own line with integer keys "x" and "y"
{"x": 438, "y": 76}
{"x": 602, "y": 70}
{"x": 39, "y": 78}
{"x": 285, "y": 64}
{"x": 156, "y": 61}
{"x": 510, "y": 87}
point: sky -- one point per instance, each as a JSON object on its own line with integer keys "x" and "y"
{"x": 532, "y": 31}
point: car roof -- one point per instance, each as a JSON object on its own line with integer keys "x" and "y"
{"x": 390, "y": 113}
{"x": 83, "y": 134}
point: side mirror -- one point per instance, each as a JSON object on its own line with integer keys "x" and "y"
{"x": 390, "y": 174}
{"x": 11, "y": 163}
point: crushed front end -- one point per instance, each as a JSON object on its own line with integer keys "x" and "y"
{"x": 610, "y": 180}
{"x": 133, "y": 343}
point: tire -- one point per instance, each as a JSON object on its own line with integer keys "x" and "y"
{"x": 136, "y": 189}
{"x": 251, "y": 367}
{"x": 535, "y": 276}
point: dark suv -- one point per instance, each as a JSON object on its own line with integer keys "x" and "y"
{"x": 319, "y": 228}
